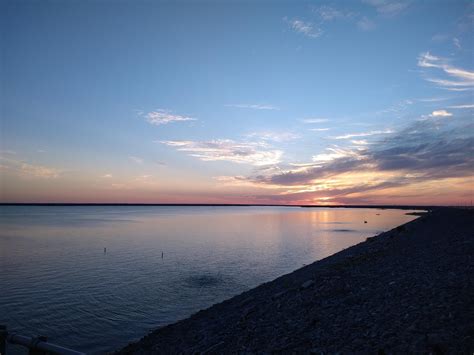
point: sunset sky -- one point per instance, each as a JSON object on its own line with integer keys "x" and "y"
{"x": 281, "y": 102}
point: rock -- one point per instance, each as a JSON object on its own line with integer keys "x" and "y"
{"x": 307, "y": 284}
{"x": 278, "y": 294}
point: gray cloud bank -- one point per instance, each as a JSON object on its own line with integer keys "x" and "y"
{"x": 424, "y": 150}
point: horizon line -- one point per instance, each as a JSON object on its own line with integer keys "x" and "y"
{"x": 405, "y": 206}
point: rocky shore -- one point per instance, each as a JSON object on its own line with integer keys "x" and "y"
{"x": 408, "y": 290}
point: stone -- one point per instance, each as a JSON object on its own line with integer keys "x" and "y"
{"x": 307, "y": 284}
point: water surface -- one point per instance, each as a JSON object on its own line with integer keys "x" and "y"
{"x": 161, "y": 263}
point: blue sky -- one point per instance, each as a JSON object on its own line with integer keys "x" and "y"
{"x": 195, "y": 101}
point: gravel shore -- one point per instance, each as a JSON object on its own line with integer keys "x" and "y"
{"x": 408, "y": 290}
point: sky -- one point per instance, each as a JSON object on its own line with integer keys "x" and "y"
{"x": 267, "y": 102}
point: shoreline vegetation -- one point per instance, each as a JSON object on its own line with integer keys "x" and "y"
{"x": 408, "y": 290}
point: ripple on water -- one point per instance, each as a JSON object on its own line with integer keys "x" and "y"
{"x": 204, "y": 280}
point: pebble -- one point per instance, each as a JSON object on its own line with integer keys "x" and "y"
{"x": 307, "y": 284}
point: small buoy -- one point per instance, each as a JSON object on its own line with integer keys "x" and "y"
{"x": 105, "y": 250}
{"x": 365, "y": 221}
{"x": 162, "y": 255}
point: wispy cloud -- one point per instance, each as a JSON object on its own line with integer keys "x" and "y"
{"x": 273, "y": 136}
{"x": 388, "y": 7}
{"x": 328, "y": 13}
{"x": 362, "y": 134}
{"x": 143, "y": 178}
{"x": 255, "y": 106}
{"x": 136, "y": 159}
{"x": 467, "y": 106}
{"x": 323, "y": 15}
{"x": 7, "y": 152}
{"x": 333, "y": 154}
{"x": 162, "y": 117}
{"x": 257, "y": 154}
{"x": 441, "y": 113}
{"x": 28, "y": 170}
{"x": 306, "y": 28}
{"x": 314, "y": 120}
{"x": 319, "y": 129}
{"x": 365, "y": 24}
{"x": 39, "y": 171}
{"x": 459, "y": 79}
{"x": 450, "y": 85}
{"x": 432, "y": 99}
{"x": 238, "y": 180}
{"x": 360, "y": 142}
{"x": 398, "y": 109}
{"x": 457, "y": 43}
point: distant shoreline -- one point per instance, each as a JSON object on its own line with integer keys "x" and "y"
{"x": 408, "y": 290}
{"x": 399, "y": 207}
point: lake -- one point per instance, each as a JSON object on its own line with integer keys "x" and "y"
{"x": 160, "y": 263}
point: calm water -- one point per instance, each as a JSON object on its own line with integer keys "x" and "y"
{"x": 56, "y": 280}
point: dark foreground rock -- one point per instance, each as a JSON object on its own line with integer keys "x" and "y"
{"x": 409, "y": 290}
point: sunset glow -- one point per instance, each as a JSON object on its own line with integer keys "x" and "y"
{"x": 350, "y": 102}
